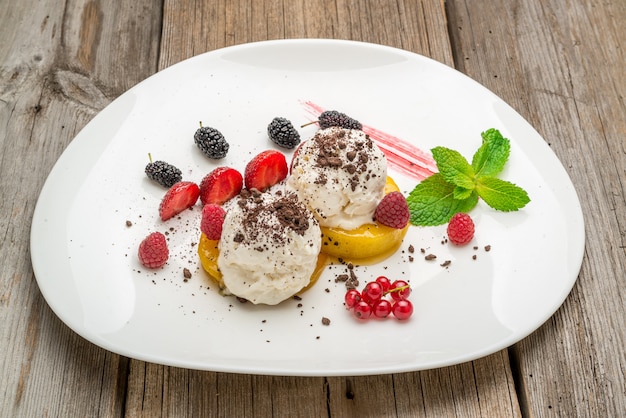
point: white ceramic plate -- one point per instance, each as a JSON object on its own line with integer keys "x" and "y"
{"x": 84, "y": 255}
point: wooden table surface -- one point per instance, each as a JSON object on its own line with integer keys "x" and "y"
{"x": 559, "y": 63}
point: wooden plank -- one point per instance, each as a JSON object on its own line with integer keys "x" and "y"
{"x": 60, "y": 64}
{"x": 561, "y": 65}
{"x": 226, "y": 23}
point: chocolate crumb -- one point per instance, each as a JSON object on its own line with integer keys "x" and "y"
{"x": 430, "y": 257}
{"x": 334, "y": 161}
{"x": 422, "y": 250}
{"x": 446, "y": 263}
{"x": 487, "y": 248}
{"x": 411, "y": 258}
{"x": 129, "y": 223}
{"x": 327, "y": 290}
{"x": 186, "y": 273}
{"x": 297, "y": 297}
{"x": 474, "y": 257}
{"x": 341, "y": 278}
{"x": 325, "y": 321}
{"x": 411, "y": 249}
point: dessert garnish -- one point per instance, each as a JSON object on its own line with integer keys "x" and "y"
{"x": 265, "y": 170}
{"x": 153, "y": 252}
{"x": 179, "y": 197}
{"x": 220, "y": 185}
{"x": 460, "y": 229}
{"x": 458, "y": 184}
{"x": 163, "y": 173}
{"x": 282, "y": 133}
{"x": 212, "y": 221}
{"x": 373, "y": 299}
{"x": 393, "y": 211}
{"x": 211, "y": 142}
{"x": 330, "y": 118}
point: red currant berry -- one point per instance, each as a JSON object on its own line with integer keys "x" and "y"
{"x": 402, "y": 309}
{"x": 372, "y": 292}
{"x": 403, "y": 292}
{"x": 384, "y": 282}
{"x": 352, "y": 298}
{"x": 382, "y": 308}
{"x": 362, "y": 310}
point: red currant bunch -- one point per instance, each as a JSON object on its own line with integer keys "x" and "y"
{"x": 373, "y": 300}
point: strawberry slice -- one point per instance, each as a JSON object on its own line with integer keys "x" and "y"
{"x": 265, "y": 170}
{"x": 220, "y": 185}
{"x": 179, "y": 197}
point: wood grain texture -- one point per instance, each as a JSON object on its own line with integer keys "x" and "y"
{"x": 560, "y": 63}
{"x": 193, "y": 27}
{"x": 60, "y": 64}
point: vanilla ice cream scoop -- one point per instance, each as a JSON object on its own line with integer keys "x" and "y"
{"x": 340, "y": 176}
{"x": 269, "y": 246}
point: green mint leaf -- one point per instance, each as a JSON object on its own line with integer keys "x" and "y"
{"x": 453, "y": 167}
{"x": 432, "y": 202}
{"x": 462, "y": 193}
{"x": 501, "y": 194}
{"x": 490, "y": 158}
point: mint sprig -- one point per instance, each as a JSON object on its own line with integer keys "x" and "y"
{"x": 459, "y": 184}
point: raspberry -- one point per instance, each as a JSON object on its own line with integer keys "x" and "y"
{"x": 153, "y": 252}
{"x": 282, "y": 133}
{"x": 163, "y": 173}
{"x": 393, "y": 211}
{"x": 211, "y": 142}
{"x": 460, "y": 229}
{"x": 212, "y": 220}
{"x": 334, "y": 118}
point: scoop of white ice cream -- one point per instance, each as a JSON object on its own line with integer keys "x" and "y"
{"x": 269, "y": 246}
{"x": 340, "y": 175}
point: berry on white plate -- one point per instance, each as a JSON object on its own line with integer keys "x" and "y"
{"x": 153, "y": 252}
{"x": 460, "y": 229}
{"x": 212, "y": 220}
{"x": 393, "y": 211}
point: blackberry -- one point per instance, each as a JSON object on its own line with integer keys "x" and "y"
{"x": 282, "y": 133}
{"x": 334, "y": 118}
{"x": 211, "y": 142}
{"x": 163, "y": 173}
